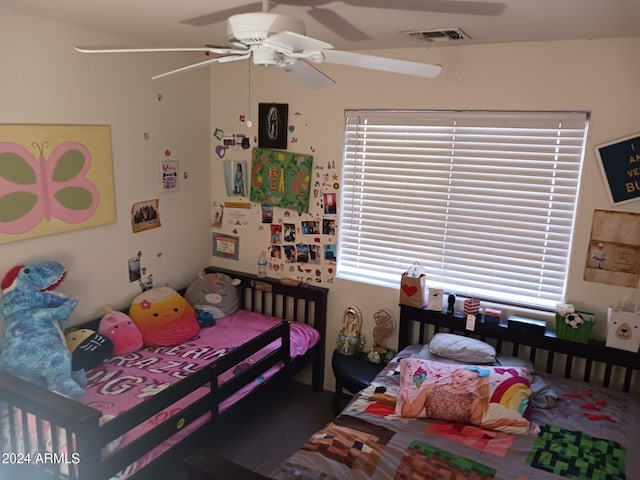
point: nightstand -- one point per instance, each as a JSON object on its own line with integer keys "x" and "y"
{"x": 353, "y": 373}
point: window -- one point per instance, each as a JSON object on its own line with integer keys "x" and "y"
{"x": 485, "y": 201}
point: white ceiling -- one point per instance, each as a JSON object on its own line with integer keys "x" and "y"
{"x": 349, "y": 24}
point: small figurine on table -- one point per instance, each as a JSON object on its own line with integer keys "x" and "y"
{"x": 451, "y": 300}
{"x": 349, "y": 337}
{"x": 381, "y": 332}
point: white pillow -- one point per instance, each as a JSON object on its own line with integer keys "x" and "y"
{"x": 461, "y": 348}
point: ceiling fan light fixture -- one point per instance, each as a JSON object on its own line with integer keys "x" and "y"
{"x": 266, "y": 56}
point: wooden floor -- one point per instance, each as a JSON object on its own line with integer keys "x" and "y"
{"x": 278, "y": 426}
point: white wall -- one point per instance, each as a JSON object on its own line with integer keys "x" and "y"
{"x": 43, "y": 80}
{"x": 599, "y": 76}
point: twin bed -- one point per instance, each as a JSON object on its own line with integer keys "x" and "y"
{"x": 583, "y": 416}
{"x": 144, "y": 409}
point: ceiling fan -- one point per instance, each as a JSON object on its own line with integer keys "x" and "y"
{"x": 277, "y": 40}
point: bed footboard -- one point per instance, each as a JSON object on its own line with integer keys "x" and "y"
{"x": 588, "y": 362}
{"x": 44, "y": 433}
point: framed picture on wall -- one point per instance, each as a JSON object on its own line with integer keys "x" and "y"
{"x": 272, "y": 125}
{"x": 620, "y": 166}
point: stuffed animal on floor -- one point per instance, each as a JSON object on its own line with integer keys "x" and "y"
{"x": 88, "y": 348}
{"x": 164, "y": 317}
{"x": 120, "y": 329}
{"x": 33, "y": 346}
{"x": 213, "y": 295}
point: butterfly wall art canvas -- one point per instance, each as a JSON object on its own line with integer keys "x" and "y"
{"x": 54, "y": 178}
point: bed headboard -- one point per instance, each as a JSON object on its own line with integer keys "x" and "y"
{"x": 589, "y": 362}
{"x": 304, "y": 303}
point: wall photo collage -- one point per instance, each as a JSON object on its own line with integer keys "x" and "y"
{"x": 288, "y": 199}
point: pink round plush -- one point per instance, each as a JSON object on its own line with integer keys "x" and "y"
{"x": 120, "y": 329}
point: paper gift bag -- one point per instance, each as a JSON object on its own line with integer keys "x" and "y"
{"x": 412, "y": 287}
{"x": 623, "y": 328}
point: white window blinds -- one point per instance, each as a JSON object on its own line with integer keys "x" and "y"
{"x": 484, "y": 201}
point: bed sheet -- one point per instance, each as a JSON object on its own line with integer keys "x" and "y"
{"x": 590, "y": 433}
{"x": 123, "y": 381}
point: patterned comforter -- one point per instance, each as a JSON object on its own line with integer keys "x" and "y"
{"x": 590, "y": 433}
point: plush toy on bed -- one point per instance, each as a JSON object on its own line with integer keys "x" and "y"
{"x": 213, "y": 295}
{"x": 33, "y": 346}
{"x": 164, "y": 317}
{"x": 120, "y": 329}
{"x": 88, "y": 348}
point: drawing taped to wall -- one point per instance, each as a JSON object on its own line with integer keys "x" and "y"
{"x": 53, "y": 179}
{"x": 272, "y": 125}
{"x": 217, "y": 214}
{"x": 226, "y": 246}
{"x": 169, "y": 176}
{"x": 281, "y": 179}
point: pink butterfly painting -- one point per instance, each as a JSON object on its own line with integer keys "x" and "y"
{"x": 36, "y": 189}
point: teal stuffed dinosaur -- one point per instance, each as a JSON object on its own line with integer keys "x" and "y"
{"x": 33, "y": 346}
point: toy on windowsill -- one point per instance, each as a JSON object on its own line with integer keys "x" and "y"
{"x": 349, "y": 339}
{"x": 381, "y": 332}
{"x": 33, "y": 347}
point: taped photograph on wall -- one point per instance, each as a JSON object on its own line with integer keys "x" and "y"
{"x": 614, "y": 249}
{"x": 235, "y": 177}
{"x": 54, "y": 179}
{"x": 145, "y": 215}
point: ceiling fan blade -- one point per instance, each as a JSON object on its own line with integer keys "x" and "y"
{"x": 381, "y": 63}
{"x": 221, "y": 15}
{"x": 231, "y": 58}
{"x": 441, "y": 6}
{"x": 337, "y": 24}
{"x": 294, "y": 42}
{"x": 309, "y": 75}
{"x": 125, "y": 49}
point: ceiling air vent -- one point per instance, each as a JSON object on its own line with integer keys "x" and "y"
{"x": 440, "y": 35}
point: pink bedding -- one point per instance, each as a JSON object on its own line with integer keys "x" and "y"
{"x": 124, "y": 381}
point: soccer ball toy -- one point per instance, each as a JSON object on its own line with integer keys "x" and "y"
{"x": 574, "y": 320}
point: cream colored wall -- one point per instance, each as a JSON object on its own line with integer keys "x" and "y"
{"x": 599, "y": 76}
{"x": 43, "y": 80}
